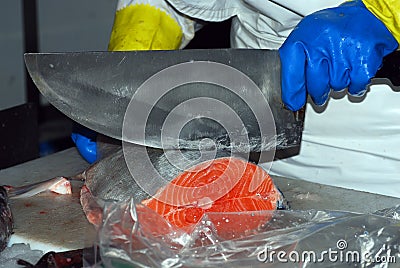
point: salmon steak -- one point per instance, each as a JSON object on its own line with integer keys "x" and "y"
{"x": 227, "y": 184}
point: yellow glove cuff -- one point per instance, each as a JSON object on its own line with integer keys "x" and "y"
{"x": 144, "y": 27}
{"x": 388, "y": 11}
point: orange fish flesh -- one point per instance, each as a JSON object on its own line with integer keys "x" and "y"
{"x": 226, "y": 184}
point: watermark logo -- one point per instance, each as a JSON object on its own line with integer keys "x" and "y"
{"x": 203, "y": 107}
{"x": 339, "y": 254}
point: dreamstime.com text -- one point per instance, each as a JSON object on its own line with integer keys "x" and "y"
{"x": 338, "y": 255}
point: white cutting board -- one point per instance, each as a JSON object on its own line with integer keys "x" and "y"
{"x": 48, "y": 221}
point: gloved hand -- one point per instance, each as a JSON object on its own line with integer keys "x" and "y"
{"x": 336, "y": 48}
{"x": 85, "y": 141}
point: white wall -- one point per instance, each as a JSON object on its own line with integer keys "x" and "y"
{"x": 63, "y": 25}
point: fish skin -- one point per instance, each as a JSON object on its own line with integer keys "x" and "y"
{"x": 110, "y": 179}
{"x": 6, "y": 219}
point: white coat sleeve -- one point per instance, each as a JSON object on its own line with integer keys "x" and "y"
{"x": 149, "y": 25}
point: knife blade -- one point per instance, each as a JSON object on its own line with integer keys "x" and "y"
{"x": 230, "y": 98}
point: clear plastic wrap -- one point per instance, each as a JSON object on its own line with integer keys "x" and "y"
{"x": 133, "y": 235}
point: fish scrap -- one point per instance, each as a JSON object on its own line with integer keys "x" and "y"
{"x": 6, "y": 219}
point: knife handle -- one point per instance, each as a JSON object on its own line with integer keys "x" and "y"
{"x": 390, "y": 68}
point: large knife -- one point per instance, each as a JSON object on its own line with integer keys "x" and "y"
{"x": 200, "y": 94}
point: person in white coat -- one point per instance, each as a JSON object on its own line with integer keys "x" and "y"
{"x": 350, "y": 142}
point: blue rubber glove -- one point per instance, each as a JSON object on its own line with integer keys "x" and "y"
{"x": 335, "y": 48}
{"x": 85, "y": 141}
